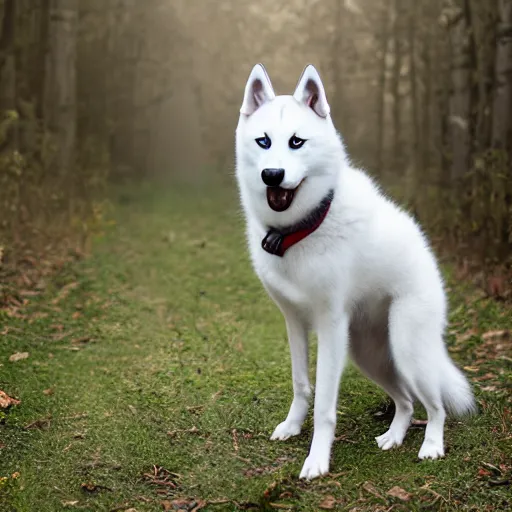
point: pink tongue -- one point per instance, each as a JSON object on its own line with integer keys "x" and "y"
{"x": 279, "y": 199}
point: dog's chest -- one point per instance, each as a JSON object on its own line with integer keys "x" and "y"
{"x": 299, "y": 281}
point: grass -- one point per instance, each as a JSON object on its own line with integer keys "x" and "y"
{"x": 158, "y": 368}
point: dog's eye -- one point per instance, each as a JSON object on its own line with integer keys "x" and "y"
{"x": 264, "y": 142}
{"x": 296, "y": 143}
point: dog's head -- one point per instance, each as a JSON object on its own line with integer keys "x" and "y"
{"x": 288, "y": 151}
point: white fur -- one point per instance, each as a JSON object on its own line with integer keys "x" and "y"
{"x": 365, "y": 281}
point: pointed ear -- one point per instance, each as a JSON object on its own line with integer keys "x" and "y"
{"x": 257, "y": 91}
{"x": 310, "y": 91}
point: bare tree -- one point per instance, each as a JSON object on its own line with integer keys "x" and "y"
{"x": 383, "y": 43}
{"x": 395, "y": 84}
{"x": 338, "y": 58}
{"x": 502, "y": 107}
{"x": 414, "y": 166}
{"x": 457, "y": 16}
{"x": 59, "y": 106}
{"x": 8, "y": 69}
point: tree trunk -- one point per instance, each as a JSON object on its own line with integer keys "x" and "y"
{"x": 502, "y": 105}
{"x": 381, "y": 86}
{"x": 395, "y": 87}
{"x": 42, "y": 53}
{"x": 413, "y": 168}
{"x": 426, "y": 110}
{"x": 338, "y": 60}
{"x": 8, "y": 73}
{"x": 502, "y": 111}
{"x": 461, "y": 99}
{"x": 59, "y": 106}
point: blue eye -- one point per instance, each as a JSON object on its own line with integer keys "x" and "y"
{"x": 295, "y": 142}
{"x": 264, "y": 142}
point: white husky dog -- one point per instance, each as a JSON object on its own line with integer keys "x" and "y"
{"x": 341, "y": 259}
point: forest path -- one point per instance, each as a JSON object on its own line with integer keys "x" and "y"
{"x": 158, "y": 368}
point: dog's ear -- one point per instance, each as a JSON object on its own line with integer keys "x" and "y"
{"x": 257, "y": 91}
{"x": 311, "y": 92}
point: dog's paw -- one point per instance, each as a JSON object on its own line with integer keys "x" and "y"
{"x": 285, "y": 430}
{"x": 389, "y": 440}
{"x": 314, "y": 467}
{"x": 431, "y": 449}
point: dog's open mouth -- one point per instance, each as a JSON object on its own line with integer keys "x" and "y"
{"x": 280, "y": 199}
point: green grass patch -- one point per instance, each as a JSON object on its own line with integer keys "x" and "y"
{"x": 158, "y": 368}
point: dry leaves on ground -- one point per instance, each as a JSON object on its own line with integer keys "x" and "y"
{"x": 190, "y": 505}
{"x": 18, "y": 356}
{"x": 398, "y": 492}
{"x": 6, "y": 401}
{"x": 328, "y": 503}
{"x": 369, "y": 487}
{"x": 164, "y": 479}
{"x": 91, "y": 487}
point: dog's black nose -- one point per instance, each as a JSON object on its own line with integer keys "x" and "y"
{"x": 272, "y": 177}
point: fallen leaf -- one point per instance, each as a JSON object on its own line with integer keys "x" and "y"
{"x": 30, "y": 293}
{"x": 48, "y": 391}
{"x": 461, "y": 338}
{"x": 235, "y": 439}
{"x": 487, "y": 376}
{"x": 199, "y": 505}
{"x": 81, "y": 341}
{"x": 472, "y": 369}
{"x": 191, "y": 505}
{"x": 41, "y": 424}
{"x": 6, "y": 401}
{"x": 76, "y": 315}
{"x": 64, "y": 292}
{"x": 91, "y": 487}
{"x": 271, "y": 468}
{"x": 38, "y": 315}
{"x": 369, "y": 487}
{"x": 328, "y": 503}
{"x": 18, "y": 356}
{"x": 193, "y": 430}
{"x": 504, "y": 333}
{"x": 69, "y": 503}
{"x": 489, "y": 388}
{"x": 398, "y": 492}
{"x": 163, "y": 478}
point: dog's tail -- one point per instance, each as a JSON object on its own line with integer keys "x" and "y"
{"x": 456, "y": 392}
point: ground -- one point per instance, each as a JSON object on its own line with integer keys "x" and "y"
{"x": 157, "y": 369}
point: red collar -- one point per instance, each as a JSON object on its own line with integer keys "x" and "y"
{"x": 278, "y": 241}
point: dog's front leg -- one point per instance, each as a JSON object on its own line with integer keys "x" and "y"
{"x": 298, "y": 341}
{"x": 332, "y": 353}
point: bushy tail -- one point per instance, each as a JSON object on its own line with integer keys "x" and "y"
{"x": 456, "y": 392}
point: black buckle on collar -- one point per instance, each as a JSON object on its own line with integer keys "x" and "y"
{"x": 272, "y": 243}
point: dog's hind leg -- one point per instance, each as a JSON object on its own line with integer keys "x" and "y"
{"x": 395, "y": 435}
{"x": 298, "y": 341}
{"x": 370, "y": 352}
{"x": 418, "y": 354}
